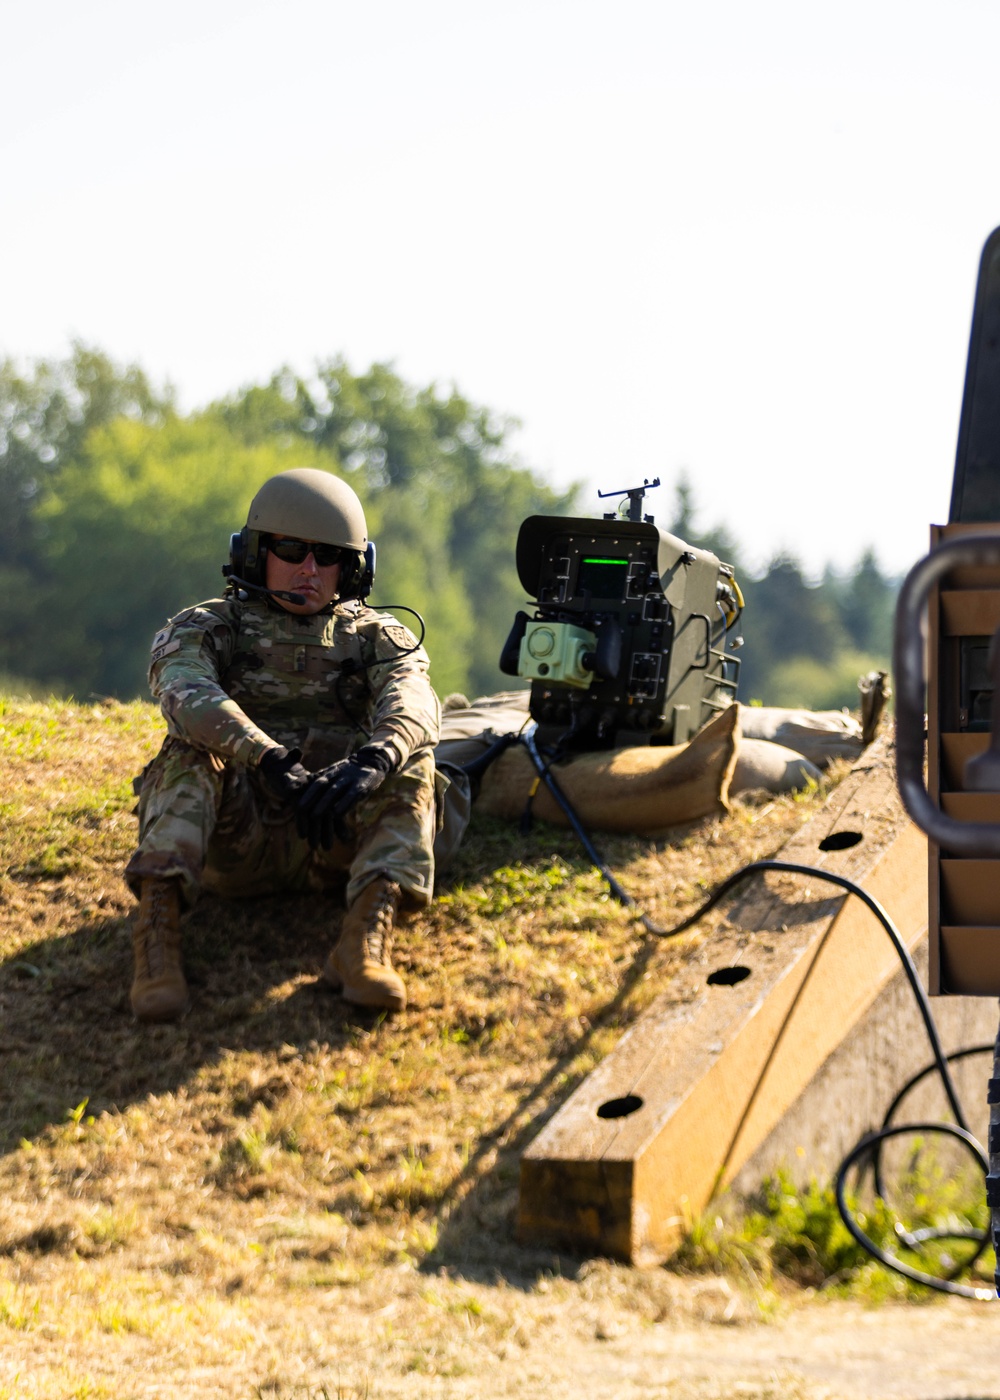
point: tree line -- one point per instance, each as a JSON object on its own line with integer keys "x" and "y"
{"x": 806, "y": 643}
{"x": 118, "y": 509}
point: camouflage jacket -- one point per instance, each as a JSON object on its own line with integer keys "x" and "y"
{"x": 239, "y": 678}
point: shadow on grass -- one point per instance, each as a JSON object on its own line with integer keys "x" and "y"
{"x": 67, "y": 1035}
{"x": 67, "y": 1031}
{"x": 477, "y": 1238}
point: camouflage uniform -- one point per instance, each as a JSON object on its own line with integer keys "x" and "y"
{"x": 236, "y": 679}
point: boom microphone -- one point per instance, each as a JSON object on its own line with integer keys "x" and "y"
{"x": 297, "y": 598}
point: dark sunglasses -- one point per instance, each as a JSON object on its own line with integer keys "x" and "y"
{"x": 295, "y": 551}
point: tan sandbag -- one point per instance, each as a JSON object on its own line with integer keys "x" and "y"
{"x": 503, "y": 712}
{"x": 640, "y": 790}
{"x": 468, "y": 730}
{"x": 761, "y": 765}
{"x": 819, "y": 735}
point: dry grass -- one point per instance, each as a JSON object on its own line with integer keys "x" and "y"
{"x": 282, "y": 1196}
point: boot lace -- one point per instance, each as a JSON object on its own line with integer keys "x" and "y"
{"x": 155, "y": 933}
{"x": 378, "y": 931}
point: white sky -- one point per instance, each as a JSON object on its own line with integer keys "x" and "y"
{"x": 739, "y": 240}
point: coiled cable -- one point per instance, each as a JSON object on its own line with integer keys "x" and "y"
{"x": 868, "y": 1151}
{"x": 869, "y": 1148}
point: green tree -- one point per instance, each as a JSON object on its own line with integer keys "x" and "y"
{"x": 786, "y": 617}
{"x": 45, "y": 416}
{"x": 136, "y": 528}
{"x": 683, "y": 524}
{"x": 806, "y": 644}
{"x": 130, "y": 518}
{"x": 865, "y": 599}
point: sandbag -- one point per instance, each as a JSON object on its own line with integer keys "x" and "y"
{"x": 821, "y": 735}
{"x": 771, "y": 767}
{"x": 468, "y": 730}
{"x": 640, "y": 790}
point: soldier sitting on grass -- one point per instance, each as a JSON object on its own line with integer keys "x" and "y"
{"x": 299, "y": 752}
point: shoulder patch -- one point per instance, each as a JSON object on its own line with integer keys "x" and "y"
{"x": 400, "y": 637}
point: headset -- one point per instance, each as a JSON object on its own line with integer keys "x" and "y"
{"x": 247, "y": 568}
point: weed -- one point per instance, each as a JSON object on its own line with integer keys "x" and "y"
{"x": 511, "y": 886}
{"x": 249, "y": 1152}
{"x": 111, "y": 1229}
{"x": 796, "y": 1233}
{"x": 16, "y": 1312}
{"x": 75, "y": 1115}
{"x": 117, "y": 1321}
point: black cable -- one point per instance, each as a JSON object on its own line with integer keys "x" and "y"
{"x": 620, "y": 894}
{"x": 891, "y": 1261}
{"x": 353, "y": 668}
{"x": 403, "y": 651}
{"x": 911, "y": 1084}
{"x": 870, "y": 1144}
{"x": 902, "y": 951}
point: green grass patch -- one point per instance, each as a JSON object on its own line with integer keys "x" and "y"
{"x": 793, "y": 1233}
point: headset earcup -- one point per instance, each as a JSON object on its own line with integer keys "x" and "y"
{"x": 357, "y": 574}
{"x": 237, "y": 553}
{"x": 367, "y": 580}
{"x": 254, "y": 555}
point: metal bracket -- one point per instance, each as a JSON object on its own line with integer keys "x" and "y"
{"x": 976, "y": 839}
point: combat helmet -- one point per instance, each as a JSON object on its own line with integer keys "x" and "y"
{"x": 310, "y": 504}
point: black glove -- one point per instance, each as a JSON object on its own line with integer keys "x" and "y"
{"x": 333, "y": 791}
{"x": 283, "y": 774}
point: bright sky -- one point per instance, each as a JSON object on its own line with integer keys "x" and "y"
{"x": 735, "y": 240}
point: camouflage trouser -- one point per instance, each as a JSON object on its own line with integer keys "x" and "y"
{"x": 214, "y": 826}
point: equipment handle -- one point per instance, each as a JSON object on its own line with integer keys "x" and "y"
{"x": 980, "y": 839}
{"x": 708, "y": 642}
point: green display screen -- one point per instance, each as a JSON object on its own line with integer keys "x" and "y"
{"x": 603, "y": 578}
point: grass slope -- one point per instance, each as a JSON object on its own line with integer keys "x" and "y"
{"x": 283, "y": 1195}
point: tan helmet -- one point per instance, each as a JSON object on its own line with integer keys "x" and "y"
{"x": 309, "y": 504}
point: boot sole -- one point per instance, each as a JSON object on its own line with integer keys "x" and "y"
{"x": 372, "y": 1001}
{"x": 157, "y": 1017}
{"x": 360, "y": 996}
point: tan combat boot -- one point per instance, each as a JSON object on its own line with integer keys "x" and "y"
{"x": 359, "y": 965}
{"x": 159, "y": 991}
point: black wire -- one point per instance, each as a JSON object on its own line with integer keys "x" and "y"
{"x": 407, "y": 651}
{"x": 353, "y": 668}
{"x": 870, "y": 1144}
{"x": 911, "y": 1084}
{"x": 891, "y": 1261}
{"x": 902, "y": 951}
{"x": 620, "y": 894}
